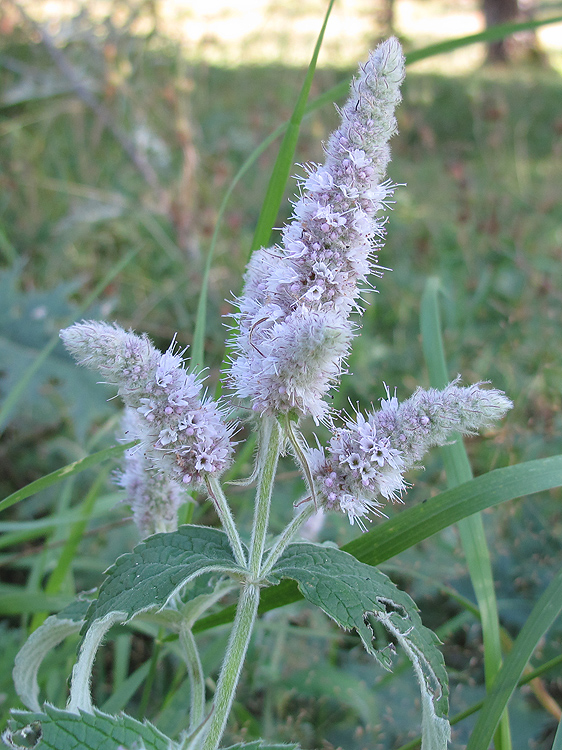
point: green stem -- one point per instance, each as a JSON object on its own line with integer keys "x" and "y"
{"x": 270, "y": 446}
{"x": 230, "y": 673}
{"x": 225, "y": 515}
{"x": 285, "y": 538}
{"x": 196, "y": 677}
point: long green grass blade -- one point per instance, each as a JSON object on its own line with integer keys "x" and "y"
{"x": 198, "y": 343}
{"x": 285, "y": 157}
{"x": 70, "y": 547}
{"x": 126, "y": 690}
{"x": 493, "y": 34}
{"x": 545, "y": 611}
{"x": 471, "y": 529}
{"x": 15, "y": 600}
{"x": 413, "y": 525}
{"x": 16, "y": 393}
{"x": 66, "y": 471}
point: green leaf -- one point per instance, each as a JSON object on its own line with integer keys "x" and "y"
{"x": 61, "y": 730}
{"x": 349, "y": 592}
{"x": 260, "y": 745}
{"x": 412, "y": 525}
{"x": 28, "y": 660}
{"x": 156, "y": 569}
{"x": 75, "y": 611}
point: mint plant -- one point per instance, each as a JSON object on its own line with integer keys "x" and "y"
{"x": 294, "y": 326}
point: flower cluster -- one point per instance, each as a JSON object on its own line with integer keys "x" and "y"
{"x": 293, "y": 322}
{"x": 153, "y": 497}
{"x": 181, "y": 433}
{"x": 369, "y": 456}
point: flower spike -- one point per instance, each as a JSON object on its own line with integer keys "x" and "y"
{"x": 294, "y": 332}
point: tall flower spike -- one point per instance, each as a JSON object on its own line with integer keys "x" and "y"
{"x": 369, "y": 456}
{"x": 181, "y": 433}
{"x": 293, "y": 329}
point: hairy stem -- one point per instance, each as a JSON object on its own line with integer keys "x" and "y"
{"x": 225, "y": 515}
{"x": 270, "y": 447}
{"x": 232, "y": 666}
{"x": 196, "y": 677}
{"x": 285, "y": 538}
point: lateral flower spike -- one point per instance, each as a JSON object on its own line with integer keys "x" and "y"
{"x": 293, "y": 330}
{"x": 367, "y": 458}
{"x": 184, "y": 439}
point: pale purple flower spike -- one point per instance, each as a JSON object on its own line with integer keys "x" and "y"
{"x": 369, "y": 456}
{"x": 293, "y": 321}
{"x": 182, "y": 434}
{"x": 153, "y": 497}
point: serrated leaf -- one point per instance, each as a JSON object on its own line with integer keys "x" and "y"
{"x": 76, "y": 611}
{"x": 156, "y": 569}
{"x": 349, "y": 592}
{"x": 62, "y": 730}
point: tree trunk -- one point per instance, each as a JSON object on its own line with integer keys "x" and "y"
{"x": 495, "y": 12}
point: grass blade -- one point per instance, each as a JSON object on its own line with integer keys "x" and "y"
{"x": 285, "y": 157}
{"x": 66, "y": 471}
{"x": 471, "y": 529}
{"x": 493, "y": 34}
{"x": 70, "y": 547}
{"x": 545, "y": 611}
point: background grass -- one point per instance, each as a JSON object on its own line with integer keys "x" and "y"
{"x": 481, "y": 158}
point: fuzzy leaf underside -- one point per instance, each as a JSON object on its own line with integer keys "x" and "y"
{"x": 146, "y": 578}
{"x": 61, "y": 730}
{"x": 350, "y": 591}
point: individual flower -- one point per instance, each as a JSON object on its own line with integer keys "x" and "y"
{"x": 182, "y": 433}
{"x": 293, "y": 332}
{"x": 368, "y": 457}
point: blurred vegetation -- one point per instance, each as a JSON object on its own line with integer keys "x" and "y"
{"x": 113, "y": 142}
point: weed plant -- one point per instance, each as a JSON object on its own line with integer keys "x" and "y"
{"x": 118, "y": 219}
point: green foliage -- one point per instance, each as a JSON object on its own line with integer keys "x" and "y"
{"x": 545, "y": 611}
{"x": 350, "y": 591}
{"x": 148, "y": 577}
{"x": 28, "y": 319}
{"x": 480, "y": 156}
{"x": 61, "y": 730}
{"x": 415, "y": 524}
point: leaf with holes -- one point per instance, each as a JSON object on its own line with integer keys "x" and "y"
{"x": 54, "y": 729}
{"x": 351, "y": 592}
